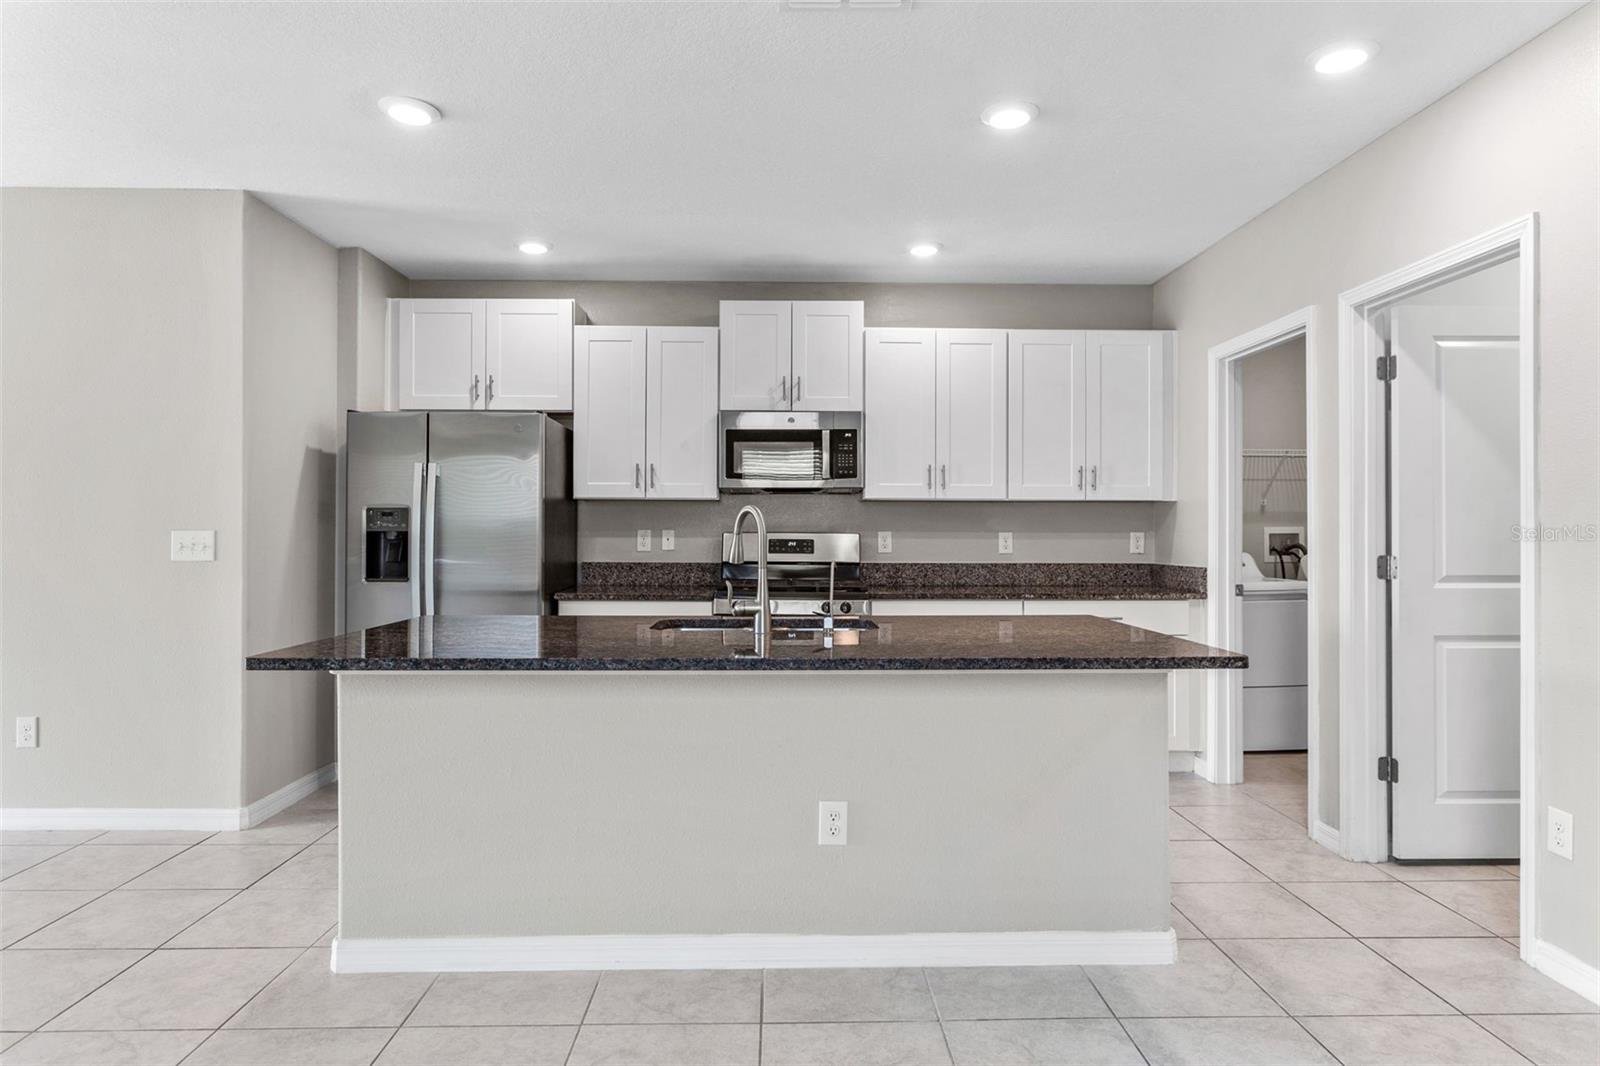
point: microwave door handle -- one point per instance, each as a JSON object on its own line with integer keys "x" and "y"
{"x": 415, "y": 576}
{"x": 431, "y": 523}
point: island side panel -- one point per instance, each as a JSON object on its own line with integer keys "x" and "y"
{"x": 505, "y": 805}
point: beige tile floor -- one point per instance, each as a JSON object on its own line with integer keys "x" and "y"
{"x": 184, "y": 947}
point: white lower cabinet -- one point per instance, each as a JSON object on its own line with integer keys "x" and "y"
{"x": 912, "y": 608}
{"x": 644, "y": 421}
{"x": 935, "y": 414}
{"x": 635, "y": 608}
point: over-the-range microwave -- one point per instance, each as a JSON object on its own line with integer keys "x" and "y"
{"x": 795, "y": 451}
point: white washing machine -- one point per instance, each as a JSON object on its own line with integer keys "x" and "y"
{"x": 1275, "y": 684}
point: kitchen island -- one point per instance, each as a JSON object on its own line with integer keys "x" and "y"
{"x": 615, "y": 792}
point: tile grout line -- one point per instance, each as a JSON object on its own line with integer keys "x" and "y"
{"x": 96, "y": 988}
{"x": 583, "y": 1018}
{"x": 1087, "y": 976}
{"x": 938, "y": 1015}
{"x": 407, "y": 1018}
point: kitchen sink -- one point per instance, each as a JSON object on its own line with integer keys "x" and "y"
{"x": 790, "y": 624}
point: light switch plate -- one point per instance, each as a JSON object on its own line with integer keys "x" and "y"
{"x": 1005, "y": 544}
{"x": 669, "y": 540}
{"x": 1135, "y": 543}
{"x": 643, "y": 542}
{"x": 1560, "y": 830}
{"x": 194, "y": 545}
{"x": 885, "y": 542}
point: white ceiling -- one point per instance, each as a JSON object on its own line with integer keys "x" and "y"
{"x": 734, "y": 141}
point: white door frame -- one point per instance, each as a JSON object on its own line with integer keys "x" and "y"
{"x": 1222, "y": 760}
{"x": 1363, "y": 647}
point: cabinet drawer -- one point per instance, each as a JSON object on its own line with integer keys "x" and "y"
{"x": 1162, "y": 616}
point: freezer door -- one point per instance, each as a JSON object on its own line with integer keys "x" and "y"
{"x": 384, "y": 457}
{"x": 486, "y": 513}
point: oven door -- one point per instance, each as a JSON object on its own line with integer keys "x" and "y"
{"x": 766, "y": 459}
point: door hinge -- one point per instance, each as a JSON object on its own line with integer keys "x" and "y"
{"x": 1387, "y": 365}
{"x": 1388, "y": 769}
{"x": 1388, "y": 568}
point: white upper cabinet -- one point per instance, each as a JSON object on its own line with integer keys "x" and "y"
{"x": 971, "y": 416}
{"x": 1128, "y": 432}
{"x": 477, "y": 355}
{"x": 681, "y": 418}
{"x": 901, "y": 422}
{"x": 608, "y": 416}
{"x": 1047, "y": 381}
{"x": 529, "y": 355}
{"x": 826, "y": 355}
{"x": 756, "y": 339}
{"x": 439, "y": 348}
{"x": 779, "y": 355}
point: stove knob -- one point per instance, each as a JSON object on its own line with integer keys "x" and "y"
{"x": 844, "y": 607}
{"x": 824, "y": 607}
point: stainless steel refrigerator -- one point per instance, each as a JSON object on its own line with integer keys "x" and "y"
{"x": 456, "y": 513}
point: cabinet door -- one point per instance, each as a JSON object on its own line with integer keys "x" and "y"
{"x": 900, "y": 414}
{"x": 1129, "y": 378}
{"x": 1045, "y": 415}
{"x": 439, "y": 347}
{"x": 681, "y": 427}
{"x": 608, "y": 416}
{"x": 756, "y": 339}
{"x": 529, "y": 359}
{"x": 971, "y": 432}
{"x": 827, "y": 355}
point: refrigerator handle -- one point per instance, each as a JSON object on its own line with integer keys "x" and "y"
{"x": 430, "y": 525}
{"x": 415, "y": 576}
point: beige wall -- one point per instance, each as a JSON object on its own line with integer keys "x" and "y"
{"x": 290, "y": 444}
{"x": 1520, "y": 137}
{"x": 121, "y": 399}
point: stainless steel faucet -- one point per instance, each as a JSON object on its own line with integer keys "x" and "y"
{"x": 762, "y": 607}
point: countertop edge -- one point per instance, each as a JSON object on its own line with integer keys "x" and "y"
{"x": 408, "y": 665}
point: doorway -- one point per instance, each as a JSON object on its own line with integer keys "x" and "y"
{"x": 1437, "y": 494}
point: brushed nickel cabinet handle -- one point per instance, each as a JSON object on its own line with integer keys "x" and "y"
{"x": 476, "y": 379}
{"x": 783, "y": 389}
{"x": 1094, "y": 478}
{"x": 1080, "y": 475}
{"x": 944, "y": 480}
{"x": 652, "y": 475}
{"x": 930, "y": 477}
{"x": 797, "y": 388}
{"x": 637, "y": 482}
{"x": 488, "y": 396}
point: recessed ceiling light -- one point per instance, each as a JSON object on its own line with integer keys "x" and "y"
{"x": 409, "y": 112}
{"x": 533, "y": 247}
{"x": 1342, "y": 58}
{"x": 1010, "y": 116}
{"x": 924, "y": 249}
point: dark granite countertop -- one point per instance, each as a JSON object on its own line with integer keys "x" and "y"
{"x": 915, "y": 581}
{"x": 554, "y": 642}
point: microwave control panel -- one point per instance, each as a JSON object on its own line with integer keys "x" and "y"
{"x": 844, "y": 453}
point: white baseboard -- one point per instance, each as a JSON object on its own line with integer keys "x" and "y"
{"x": 289, "y": 795}
{"x": 202, "y": 819}
{"x": 1181, "y": 762}
{"x": 750, "y": 951}
{"x": 1327, "y": 836}
{"x": 1565, "y": 969}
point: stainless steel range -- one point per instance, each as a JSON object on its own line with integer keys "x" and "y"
{"x": 807, "y": 573}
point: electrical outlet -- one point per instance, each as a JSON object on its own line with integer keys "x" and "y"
{"x": 669, "y": 540}
{"x": 194, "y": 545}
{"x": 28, "y": 732}
{"x": 643, "y": 543}
{"x": 1005, "y": 544}
{"x": 885, "y": 542}
{"x": 833, "y": 823}
{"x": 1560, "y": 829}
{"x": 1135, "y": 543}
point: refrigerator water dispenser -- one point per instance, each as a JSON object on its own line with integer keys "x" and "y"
{"x": 388, "y": 544}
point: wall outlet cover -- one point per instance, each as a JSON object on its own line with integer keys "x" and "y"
{"x": 885, "y": 542}
{"x": 1005, "y": 544}
{"x": 643, "y": 542}
{"x": 1559, "y": 824}
{"x": 194, "y": 545}
{"x": 669, "y": 540}
{"x": 28, "y": 732}
{"x": 833, "y": 823}
{"x": 1135, "y": 543}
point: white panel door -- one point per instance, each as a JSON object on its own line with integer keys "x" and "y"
{"x": 1127, "y": 379}
{"x": 1456, "y": 626}
{"x": 971, "y": 388}
{"x": 1045, "y": 415}
{"x": 756, "y": 341}
{"x": 900, "y": 416}
{"x": 827, "y": 355}
{"x": 529, "y": 359}
{"x": 608, "y": 416}
{"x": 439, "y": 351}
{"x": 681, "y": 429}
